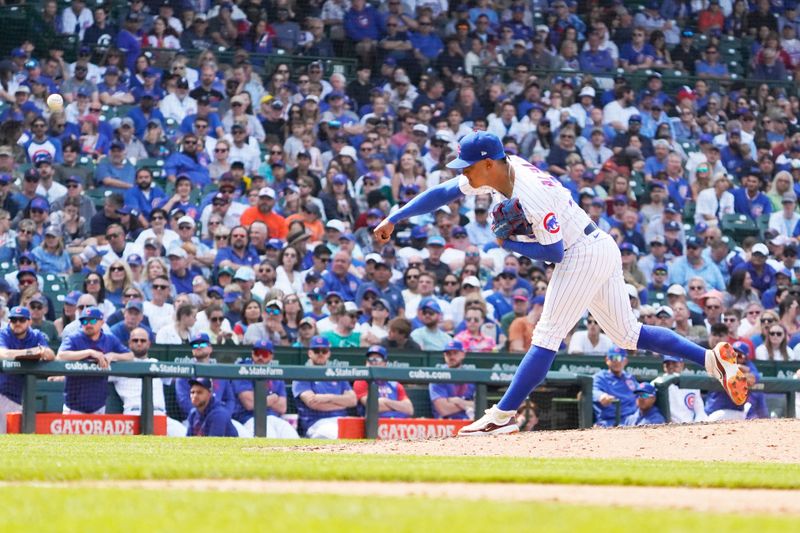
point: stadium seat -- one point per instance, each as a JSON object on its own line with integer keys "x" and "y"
{"x": 738, "y": 227}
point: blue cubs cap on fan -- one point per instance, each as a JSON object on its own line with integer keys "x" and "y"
{"x": 20, "y": 312}
{"x": 72, "y": 297}
{"x": 200, "y": 337}
{"x": 740, "y": 346}
{"x": 477, "y": 146}
{"x": 453, "y": 346}
{"x": 430, "y": 303}
{"x": 263, "y": 345}
{"x": 203, "y": 382}
{"x": 645, "y": 389}
{"x": 616, "y": 353}
{"x": 671, "y": 359}
{"x": 92, "y": 312}
{"x": 378, "y": 349}
{"x": 319, "y": 342}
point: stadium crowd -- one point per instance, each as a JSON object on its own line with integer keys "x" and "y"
{"x": 195, "y": 184}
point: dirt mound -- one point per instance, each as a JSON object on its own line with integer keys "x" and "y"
{"x": 755, "y": 441}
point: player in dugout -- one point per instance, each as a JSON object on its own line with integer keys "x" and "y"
{"x": 539, "y": 219}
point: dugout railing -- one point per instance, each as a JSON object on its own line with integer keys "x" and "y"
{"x": 259, "y": 374}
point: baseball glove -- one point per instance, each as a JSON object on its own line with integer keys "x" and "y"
{"x": 509, "y": 219}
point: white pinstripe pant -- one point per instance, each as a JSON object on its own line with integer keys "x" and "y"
{"x": 589, "y": 277}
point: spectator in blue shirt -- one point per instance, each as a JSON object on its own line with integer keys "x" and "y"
{"x": 427, "y": 44}
{"x": 692, "y": 264}
{"x": 761, "y": 273}
{"x": 321, "y": 403}
{"x": 208, "y": 418}
{"x": 646, "y": 413}
{"x": 146, "y": 111}
{"x": 709, "y": 66}
{"x": 613, "y": 385}
{"x": 115, "y": 173}
{"x": 453, "y": 401}
{"x": 748, "y": 199}
{"x": 191, "y": 162}
{"x": 637, "y": 54}
{"x": 594, "y": 60}
{"x": 363, "y": 26}
{"x": 87, "y": 394}
{"x": 144, "y": 196}
{"x": 339, "y": 278}
{"x": 17, "y": 339}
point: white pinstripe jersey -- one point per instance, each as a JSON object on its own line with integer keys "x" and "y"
{"x": 548, "y": 205}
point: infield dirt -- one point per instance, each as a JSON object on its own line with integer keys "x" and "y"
{"x": 754, "y": 441}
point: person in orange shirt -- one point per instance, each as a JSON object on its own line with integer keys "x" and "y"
{"x": 278, "y": 228}
{"x": 310, "y": 216}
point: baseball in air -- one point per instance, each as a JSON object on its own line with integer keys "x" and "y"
{"x": 55, "y": 102}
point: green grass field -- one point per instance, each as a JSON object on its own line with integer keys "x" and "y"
{"x": 67, "y": 458}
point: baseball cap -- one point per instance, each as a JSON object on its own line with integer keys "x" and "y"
{"x": 319, "y": 342}
{"x": 477, "y": 146}
{"x": 26, "y": 270}
{"x": 378, "y": 349}
{"x": 616, "y": 352}
{"x": 335, "y": 224}
{"x": 177, "y": 252}
{"x": 660, "y": 266}
{"x": 672, "y": 226}
{"x": 740, "y": 346}
{"x": 453, "y": 345}
{"x": 263, "y": 345}
{"x": 245, "y": 273}
{"x": 430, "y": 303}
{"x": 665, "y": 310}
{"x": 41, "y": 158}
{"x": 269, "y": 192}
{"x": 471, "y": 281}
{"x": 458, "y": 231}
{"x": 206, "y": 383}
{"x": 695, "y": 242}
{"x": 676, "y": 290}
{"x": 20, "y": 312}
{"x": 645, "y": 389}
{"x": 520, "y": 295}
{"x": 671, "y": 359}
{"x": 92, "y": 312}
{"x": 72, "y": 297}
{"x": 200, "y": 337}
{"x": 760, "y": 248}
{"x": 435, "y": 240}
{"x": 133, "y": 304}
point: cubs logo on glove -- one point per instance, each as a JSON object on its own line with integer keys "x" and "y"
{"x": 509, "y": 219}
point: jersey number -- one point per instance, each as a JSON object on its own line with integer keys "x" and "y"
{"x": 546, "y": 179}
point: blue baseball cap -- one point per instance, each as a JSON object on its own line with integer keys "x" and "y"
{"x": 263, "y": 344}
{"x": 378, "y": 349}
{"x": 435, "y": 240}
{"x": 671, "y": 359}
{"x": 40, "y": 158}
{"x": 26, "y": 270}
{"x": 134, "y": 305}
{"x": 92, "y": 312}
{"x": 20, "y": 312}
{"x": 628, "y": 247}
{"x": 28, "y": 256}
{"x": 695, "y": 242}
{"x": 430, "y": 303}
{"x": 453, "y": 345}
{"x": 672, "y": 226}
{"x": 39, "y": 203}
{"x": 419, "y": 232}
{"x": 645, "y": 388}
{"x": 203, "y": 382}
{"x": 740, "y": 346}
{"x": 616, "y": 353}
{"x": 134, "y": 259}
{"x": 200, "y": 337}
{"x": 660, "y": 266}
{"x": 216, "y": 289}
{"x": 477, "y": 146}
{"x": 275, "y": 244}
{"x": 319, "y": 342}
{"x": 72, "y": 297}
{"x": 231, "y": 297}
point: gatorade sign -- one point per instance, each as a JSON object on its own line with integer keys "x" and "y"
{"x": 58, "y": 424}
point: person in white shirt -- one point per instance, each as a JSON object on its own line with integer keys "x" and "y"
{"x": 591, "y": 341}
{"x": 158, "y": 230}
{"x": 595, "y": 152}
{"x": 714, "y": 202}
{"x": 179, "y": 104}
{"x": 76, "y": 19}
{"x": 158, "y": 312}
{"x": 130, "y": 389}
{"x": 785, "y": 220}
{"x": 618, "y": 112}
{"x": 685, "y": 405}
{"x": 181, "y": 329}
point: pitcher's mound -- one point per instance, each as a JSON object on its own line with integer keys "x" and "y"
{"x": 772, "y": 440}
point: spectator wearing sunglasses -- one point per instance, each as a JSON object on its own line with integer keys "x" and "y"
{"x": 647, "y": 413}
{"x": 18, "y": 338}
{"x": 87, "y": 394}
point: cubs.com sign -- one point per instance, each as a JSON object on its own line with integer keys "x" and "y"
{"x": 58, "y": 424}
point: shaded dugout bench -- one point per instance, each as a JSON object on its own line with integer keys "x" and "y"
{"x": 260, "y": 374}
